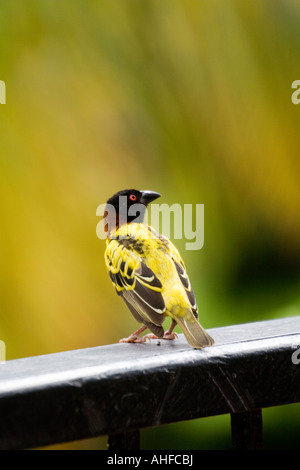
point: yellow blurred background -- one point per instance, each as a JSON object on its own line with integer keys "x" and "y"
{"x": 190, "y": 98}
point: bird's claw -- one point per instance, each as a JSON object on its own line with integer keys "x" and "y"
{"x": 134, "y": 339}
{"x": 169, "y": 336}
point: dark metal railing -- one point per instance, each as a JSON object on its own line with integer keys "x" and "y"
{"x": 118, "y": 389}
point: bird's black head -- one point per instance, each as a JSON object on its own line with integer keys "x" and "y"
{"x": 128, "y": 205}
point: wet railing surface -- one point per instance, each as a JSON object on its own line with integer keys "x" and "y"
{"x": 118, "y": 389}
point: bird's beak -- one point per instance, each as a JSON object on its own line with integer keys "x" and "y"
{"x": 148, "y": 196}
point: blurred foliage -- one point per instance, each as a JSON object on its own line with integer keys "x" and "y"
{"x": 189, "y": 98}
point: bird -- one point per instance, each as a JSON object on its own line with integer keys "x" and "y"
{"x": 148, "y": 272}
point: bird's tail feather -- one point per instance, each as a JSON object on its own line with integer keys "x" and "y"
{"x": 195, "y": 334}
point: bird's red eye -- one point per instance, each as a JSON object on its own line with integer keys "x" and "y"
{"x": 132, "y": 197}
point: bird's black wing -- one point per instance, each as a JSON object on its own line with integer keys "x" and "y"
{"x": 136, "y": 283}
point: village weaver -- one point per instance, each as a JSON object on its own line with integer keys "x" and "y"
{"x": 148, "y": 272}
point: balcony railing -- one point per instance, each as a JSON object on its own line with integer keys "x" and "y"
{"x": 118, "y": 389}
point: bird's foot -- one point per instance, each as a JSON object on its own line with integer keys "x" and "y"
{"x": 170, "y": 335}
{"x": 167, "y": 335}
{"x": 134, "y": 339}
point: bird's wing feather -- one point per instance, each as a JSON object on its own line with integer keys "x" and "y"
{"x": 187, "y": 286}
{"x": 136, "y": 283}
{"x": 172, "y": 251}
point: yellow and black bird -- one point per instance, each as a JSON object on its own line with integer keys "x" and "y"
{"x": 148, "y": 271}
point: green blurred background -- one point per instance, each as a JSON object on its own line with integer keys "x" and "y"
{"x": 191, "y": 98}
